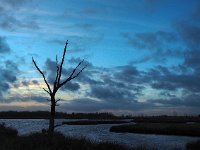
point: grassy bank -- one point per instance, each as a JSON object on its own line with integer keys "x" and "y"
{"x": 94, "y": 122}
{"x": 166, "y": 119}
{"x": 193, "y": 145}
{"x": 10, "y": 140}
{"x": 181, "y": 129}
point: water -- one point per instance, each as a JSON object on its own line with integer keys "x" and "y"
{"x": 100, "y": 133}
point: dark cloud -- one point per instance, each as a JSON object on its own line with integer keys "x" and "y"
{"x": 10, "y": 21}
{"x": 192, "y": 59}
{"x": 9, "y": 71}
{"x": 163, "y": 78}
{"x": 127, "y": 73}
{"x": 92, "y": 105}
{"x": 110, "y": 86}
{"x": 83, "y": 105}
{"x": 155, "y": 45}
{"x": 188, "y": 100}
{"x": 150, "y": 40}
{"x": 35, "y": 82}
{"x": 75, "y": 61}
{"x": 25, "y": 83}
{"x": 113, "y": 94}
{"x": 4, "y": 47}
{"x": 71, "y": 86}
{"x": 36, "y": 98}
{"x": 23, "y": 98}
{"x": 190, "y": 33}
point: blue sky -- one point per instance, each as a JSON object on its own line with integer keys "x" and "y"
{"x": 143, "y": 55}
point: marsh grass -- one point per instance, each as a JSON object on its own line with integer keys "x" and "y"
{"x": 181, "y": 129}
{"x": 166, "y": 119}
{"x": 193, "y": 145}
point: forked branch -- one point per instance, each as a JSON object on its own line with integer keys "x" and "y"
{"x": 73, "y": 75}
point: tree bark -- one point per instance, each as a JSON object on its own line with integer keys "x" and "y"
{"x": 52, "y": 115}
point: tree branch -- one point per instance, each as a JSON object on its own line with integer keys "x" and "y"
{"x": 61, "y": 64}
{"x": 79, "y": 72}
{"x": 72, "y": 76}
{"x": 57, "y": 74}
{"x": 76, "y": 68}
{"x": 46, "y": 90}
{"x": 42, "y": 76}
{"x": 57, "y": 100}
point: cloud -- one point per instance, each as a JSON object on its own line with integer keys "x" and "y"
{"x": 9, "y": 19}
{"x": 127, "y": 73}
{"x": 71, "y": 86}
{"x": 190, "y": 34}
{"x": 188, "y": 100}
{"x": 158, "y": 46}
{"x": 120, "y": 88}
{"x": 150, "y": 40}
{"x": 192, "y": 59}
{"x": 25, "y": 83}
{"x": 24, "y": 98}
{"x": 165, "y": 78}
{"x": 92, "y": 105}
{"x": 4, "y": 47}
{"x": 14, "y": 3}
{"x": 35, "y": 82}
{"x": 9, "y": 71}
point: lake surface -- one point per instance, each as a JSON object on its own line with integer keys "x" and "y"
{"x": 100, "y": 133}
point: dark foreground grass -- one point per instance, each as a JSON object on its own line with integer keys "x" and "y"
{"x": 193, "y": 145}
{"x": 181, "y": 129}
{"x": 9, "y": 140}
{"x": 166, "y": 119}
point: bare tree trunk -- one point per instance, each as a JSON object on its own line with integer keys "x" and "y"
{"x": 52, "y": 115}
{"x": 57, "y": 84}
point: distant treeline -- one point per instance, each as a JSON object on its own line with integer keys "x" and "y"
{"x": 59, "y": 115}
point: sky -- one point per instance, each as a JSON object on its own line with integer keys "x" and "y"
{"x": 143, "y": 56}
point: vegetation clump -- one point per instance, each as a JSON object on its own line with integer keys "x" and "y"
{"x": 193, "y": 145}
{"x": 182, "y": 129}
{"x": 167, "y": 119}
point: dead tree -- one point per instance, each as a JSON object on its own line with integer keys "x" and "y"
{"x": 52, "y": 89}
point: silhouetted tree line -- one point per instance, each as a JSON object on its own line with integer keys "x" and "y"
{"x": 58, "y": 115}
